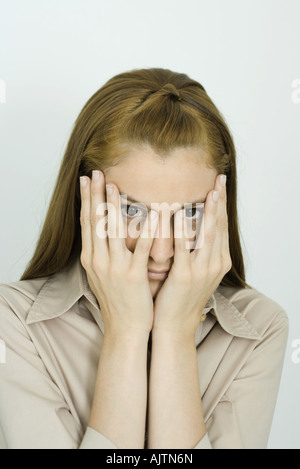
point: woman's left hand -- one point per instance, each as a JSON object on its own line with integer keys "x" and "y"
{"x": 195, "y": 275}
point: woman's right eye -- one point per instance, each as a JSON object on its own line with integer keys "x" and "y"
{"x": 132, "y": 211}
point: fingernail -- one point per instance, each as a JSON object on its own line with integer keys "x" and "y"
{"x": 223, "y": 180}
{"x": 83, "y": 181}
{"x": 215, "y": 196}
{"x": 95, "y": 175}
{"x": 109, "y": 189}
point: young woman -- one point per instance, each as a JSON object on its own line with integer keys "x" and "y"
{"x": 133, "y": 325}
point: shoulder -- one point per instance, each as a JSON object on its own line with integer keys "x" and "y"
{"x": 263, "y": 313}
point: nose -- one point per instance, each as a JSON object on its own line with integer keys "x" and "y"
{"x": 162, "y": 249}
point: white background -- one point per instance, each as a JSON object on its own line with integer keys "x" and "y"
{"x": 54, "y": 54}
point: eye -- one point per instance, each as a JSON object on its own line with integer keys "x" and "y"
{"x": 194, "y": 213}
{"x": 133, "y": 211}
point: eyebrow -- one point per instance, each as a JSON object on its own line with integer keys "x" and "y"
{"x": 130, "y": 199}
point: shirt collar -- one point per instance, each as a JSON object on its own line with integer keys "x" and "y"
{"x": 63, "y": 289}
{"x": 60, "y": 292}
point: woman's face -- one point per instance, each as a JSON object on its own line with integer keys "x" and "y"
{"x": 181, "y": 179}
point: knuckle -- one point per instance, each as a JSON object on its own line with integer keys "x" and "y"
{"x": 84, "y": 219}
{"x": 96, "y": 265}
{"x": 94, "y": 189}
{"x": 114, "y": 270}
{"x": 142, "y": 246}
{"x": 94, "y": 218}
{"x": 223, "y": 225}
{"x": 210, "y": 237}
{"x": 216, "y": 269}
{"x": 228, "y": 264}
{"x": 84, "y": 260}
{"x": 144, "y": 241}
{"x": 134, "y": 276}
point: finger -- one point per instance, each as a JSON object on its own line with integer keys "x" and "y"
{"x": 86, "y": 234}
{"x": 181, "y": 241}
{"x": 196, "y": 225}
{"x": 208, "y": 228}
{"x": 116, "y": 229}
{"x": 200, "y": 232}
{"x": 98, "y": 217}
{"x": 221, "y": 223}
{"x": 145, "y": 241}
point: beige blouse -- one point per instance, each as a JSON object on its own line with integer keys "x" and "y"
{"x": 51, "y": 331}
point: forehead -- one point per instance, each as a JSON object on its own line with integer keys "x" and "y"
{"x": 183, "y": 176}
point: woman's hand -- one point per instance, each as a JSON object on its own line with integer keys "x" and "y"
{"x": 195, "y": 275}
{"x": 117, "y": 277}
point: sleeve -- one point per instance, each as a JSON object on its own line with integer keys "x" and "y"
{"x": 243, "y": 417}
{"x": 95, "y": 440}
{"x": 33, "y": 412}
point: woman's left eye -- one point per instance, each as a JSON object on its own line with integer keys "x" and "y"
{"x": 132, "y": 211}
{"x": 193, "y": 213}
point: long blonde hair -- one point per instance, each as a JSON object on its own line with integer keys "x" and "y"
{"x": 154, "y": 106}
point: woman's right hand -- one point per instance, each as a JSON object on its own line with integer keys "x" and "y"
{"x": 117, "y": 277}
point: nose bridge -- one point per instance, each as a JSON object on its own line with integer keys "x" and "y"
{"x": 163, "y": 243}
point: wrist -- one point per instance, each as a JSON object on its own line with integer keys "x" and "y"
{"x": 176, "y": 336}
{"x": 126, "y": 336}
